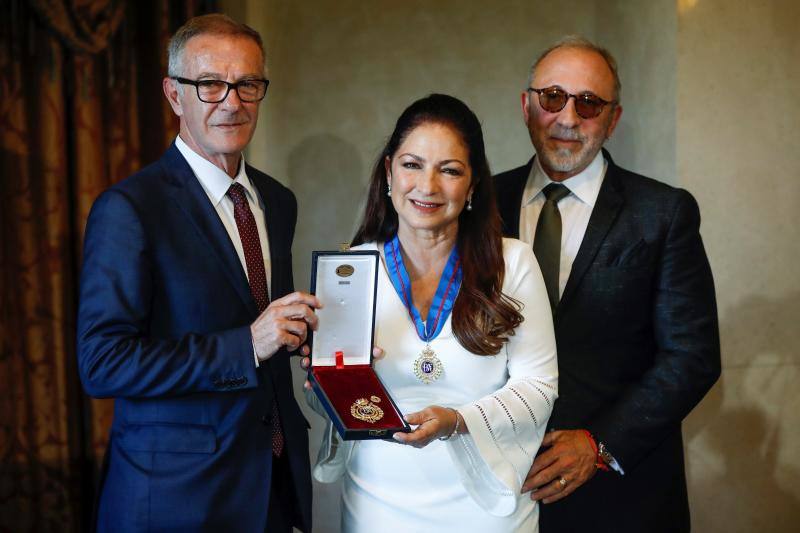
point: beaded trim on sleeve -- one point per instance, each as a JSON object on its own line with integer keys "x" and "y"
{"x": 508, "y": 414}
{"x": 546, "y": 398}
{"x": 548, "y": 385}
{"x": 486, "y": 421}
{"x": 525, "y": 403}
{"x": 513, "y": 424}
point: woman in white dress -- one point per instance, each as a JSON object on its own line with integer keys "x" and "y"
{"x": 466, "y": 328}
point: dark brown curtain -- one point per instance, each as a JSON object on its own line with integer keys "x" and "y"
{"x": 80, "y": 108}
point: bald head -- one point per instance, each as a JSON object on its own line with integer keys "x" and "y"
{"x": 580, "y": 43}
{"x": 576, "y": 70}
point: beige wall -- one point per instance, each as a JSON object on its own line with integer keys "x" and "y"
{"x": 642, "y": 37}
{"x": 709, "y": 95}
{"x": 738, "y": 152}
{"x": 342, "y": 71}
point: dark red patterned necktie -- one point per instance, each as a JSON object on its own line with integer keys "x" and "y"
{"x": 256, "y": 274}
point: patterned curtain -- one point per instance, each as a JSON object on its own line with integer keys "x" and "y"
{"x": 80, "y": 108}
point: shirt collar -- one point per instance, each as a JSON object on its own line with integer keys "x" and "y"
{"x": 213, "y": 179}
{"x": 585, "y": 185}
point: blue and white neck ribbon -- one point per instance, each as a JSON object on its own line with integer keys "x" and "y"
{"x": 443, "y": 300}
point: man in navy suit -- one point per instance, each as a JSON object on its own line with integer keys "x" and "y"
{"x": 187, "y": 314}
{"x": 633, "y": 305}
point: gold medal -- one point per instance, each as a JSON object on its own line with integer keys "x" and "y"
{"x": 366, "y": 410}
{"x": 428, "y": 367}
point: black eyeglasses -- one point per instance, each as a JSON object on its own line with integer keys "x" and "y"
{"x": 215, "y": 91}
{"x": 554, "y": 99}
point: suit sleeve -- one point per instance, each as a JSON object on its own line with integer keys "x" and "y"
{"x": 117, "y": 356}
{"x": 686, "y": 332}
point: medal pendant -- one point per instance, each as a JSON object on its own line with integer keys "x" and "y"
{"x": 366, "y": 410}
{"x": 427, "y": 367}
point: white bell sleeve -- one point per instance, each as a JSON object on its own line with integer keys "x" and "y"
{"x": 507, "y": 427}
{"x": 333, "y": 451}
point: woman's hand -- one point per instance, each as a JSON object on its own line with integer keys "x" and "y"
{"x": 305, "y": 362}
{"x": 433, "y": 422}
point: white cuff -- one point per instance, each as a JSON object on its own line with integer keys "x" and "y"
{"x": 255, "y": 354}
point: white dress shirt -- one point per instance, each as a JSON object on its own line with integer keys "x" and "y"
{"x": 215, "y": 183}
{"x": 575, "y": 209}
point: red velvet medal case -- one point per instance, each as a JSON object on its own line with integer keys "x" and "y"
{"x": 341, "y": 370}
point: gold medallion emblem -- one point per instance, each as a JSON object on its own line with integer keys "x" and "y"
{"x": 344, "y": 271}
{"x": 366, "y": 410}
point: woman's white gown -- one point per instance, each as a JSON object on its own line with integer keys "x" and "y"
{"x": 471, "y": 482}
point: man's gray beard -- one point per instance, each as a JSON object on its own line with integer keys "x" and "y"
{"x": 563, "y": 160}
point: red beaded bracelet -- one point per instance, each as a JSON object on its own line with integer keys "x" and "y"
{"x": 598, "y": 461}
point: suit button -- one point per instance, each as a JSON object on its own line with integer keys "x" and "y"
{"x": 266, "y": 420}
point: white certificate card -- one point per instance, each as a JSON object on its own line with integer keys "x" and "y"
{"x": 345, "y": 284}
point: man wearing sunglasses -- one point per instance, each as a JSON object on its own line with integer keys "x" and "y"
{"x": 633, "y": 305}
{"x": 187, "y": 313}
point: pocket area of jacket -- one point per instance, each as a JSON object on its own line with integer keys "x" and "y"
{"x": 636, "y": 255}
{"x": 174, "y": 438}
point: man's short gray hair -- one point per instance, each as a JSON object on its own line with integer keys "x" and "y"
{"x": 576, "y": 41}
{"x": 213, "y": 24}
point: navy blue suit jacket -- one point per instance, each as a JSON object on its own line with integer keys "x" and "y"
{"x": 638, "y": 348}
{"x": 164, "y": 328}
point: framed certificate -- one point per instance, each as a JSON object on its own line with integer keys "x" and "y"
{"x": 341, "y": 370}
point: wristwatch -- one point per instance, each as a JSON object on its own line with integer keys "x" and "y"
{"x": 604, "y": 454}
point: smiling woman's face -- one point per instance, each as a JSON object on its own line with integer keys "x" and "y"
{"x": 431, "y": 178}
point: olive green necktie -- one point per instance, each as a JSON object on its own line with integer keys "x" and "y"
{"x": 547, "y": 241}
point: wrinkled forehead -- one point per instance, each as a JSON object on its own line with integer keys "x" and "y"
{"x": 233, "y": 55}
{"x": 576, "y": 70}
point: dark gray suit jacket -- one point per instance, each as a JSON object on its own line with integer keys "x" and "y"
{"x": 638, "y": 348}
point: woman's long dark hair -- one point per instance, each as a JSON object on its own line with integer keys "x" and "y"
{"x": 483, "y": 317}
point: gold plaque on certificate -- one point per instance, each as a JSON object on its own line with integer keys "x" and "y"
{"x": 345, "y": 270}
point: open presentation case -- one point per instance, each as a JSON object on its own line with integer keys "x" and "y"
{"x": 341, "y": 370}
